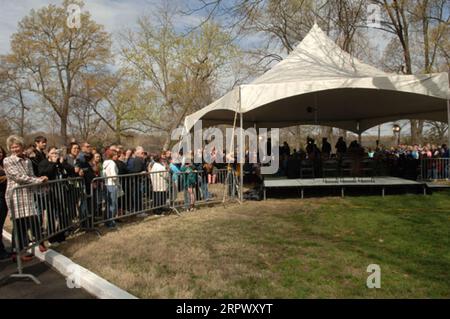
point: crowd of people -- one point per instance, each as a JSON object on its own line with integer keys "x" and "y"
{"x": 102, "y": 172}
{"x": 111, "y": 193}
{"x": 401, "y": 161}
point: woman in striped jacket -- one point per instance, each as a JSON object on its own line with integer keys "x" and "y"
{"x": 19, "y": 171}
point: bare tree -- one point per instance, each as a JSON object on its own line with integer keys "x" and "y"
{"x": 437, "y": 131}
{"x": 397, "y": 22}
{"x": 13, "y": 95}
{"x": 54, "y": 55}
{"x": 118, "y": 101}
{"x": 84, "y": 122}
{"x": 178, "y": 72}
{"x": 403, "y": 18}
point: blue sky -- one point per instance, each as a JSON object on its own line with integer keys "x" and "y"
{"x": 113, "y": 14}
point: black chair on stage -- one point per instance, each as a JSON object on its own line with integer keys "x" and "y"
{"x": 293, "y": 168}
{"x": 367, "y": 171}
{"x": 346, "y": 170}
{"x": 330, "y": 171}
{"x": 306, "y": 169}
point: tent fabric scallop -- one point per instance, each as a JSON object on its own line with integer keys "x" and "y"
{"x": 319, "y": 83}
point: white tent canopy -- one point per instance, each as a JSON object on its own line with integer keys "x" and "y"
{"x": 319, "y": 83}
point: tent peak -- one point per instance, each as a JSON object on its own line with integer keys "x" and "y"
{"x": 317, "y": 57}
{"x": 343, "y": 89}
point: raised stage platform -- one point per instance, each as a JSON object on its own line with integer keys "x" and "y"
{"x": 271, "y": 182}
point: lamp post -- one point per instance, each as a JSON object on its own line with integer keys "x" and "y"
{"x": 397, "y": 129}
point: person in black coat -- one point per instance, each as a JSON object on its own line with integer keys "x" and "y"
{"x": 121, "y": 166}
{"x": 55, "y": 168}
{"x": 285, "y": 149}
{"x": 3, "y": 207}
{"x": 341, "y": 146}
{"x": 40, "y": 144}
{"x": 123, "y": 170}
{"x": 136, "y": 165}
{"x": 94, "y": 200}
{"x": 326, "y": 147}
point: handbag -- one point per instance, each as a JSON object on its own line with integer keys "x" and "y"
{"x": 120, "y": 191}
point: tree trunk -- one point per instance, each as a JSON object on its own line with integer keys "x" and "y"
{"x": 167, "y": 142}
{"x": 118, "y": 130}
{"x": 408, "y": 62}
{"x": 118, "y": 138}
{"x": 416, "y": 131}
{"x": 426, "y": 49}
{"x": 63, "y": 130}
{"x": 22, "y": 121}
{"x": 298, "y": 137}
{"x": 22, "y": 114}
{"x": 417, "y": 125}
{"x": 64, "y": 117}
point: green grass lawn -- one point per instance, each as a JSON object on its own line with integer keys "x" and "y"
{"x": 314, "y": 248}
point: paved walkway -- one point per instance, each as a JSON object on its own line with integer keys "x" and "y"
{"x": 53, "y": 284}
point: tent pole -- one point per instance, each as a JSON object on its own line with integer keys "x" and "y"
{"x": 358, "y": 125}
{"x": 448, "y": 120}
{"x": 242, "y": 150}
{"x": 448, "y": 111}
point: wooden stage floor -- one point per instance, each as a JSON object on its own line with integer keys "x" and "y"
{"x": 382, "y": 183}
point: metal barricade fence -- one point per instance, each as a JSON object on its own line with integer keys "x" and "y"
{"x": 45, "y": 211}
{"x": 435, "y": 169}
{"x": 199, "y": 187}
{"x": 117, "y": 197}
{"x": 114, "y": 198}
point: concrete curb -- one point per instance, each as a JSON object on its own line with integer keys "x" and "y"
{"x": 86, "y": 279}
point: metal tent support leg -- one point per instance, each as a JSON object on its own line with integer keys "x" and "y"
{"x": 242, "y": 150}
{"x": 448, "y": 119}
{"x": 27, "y": 276}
